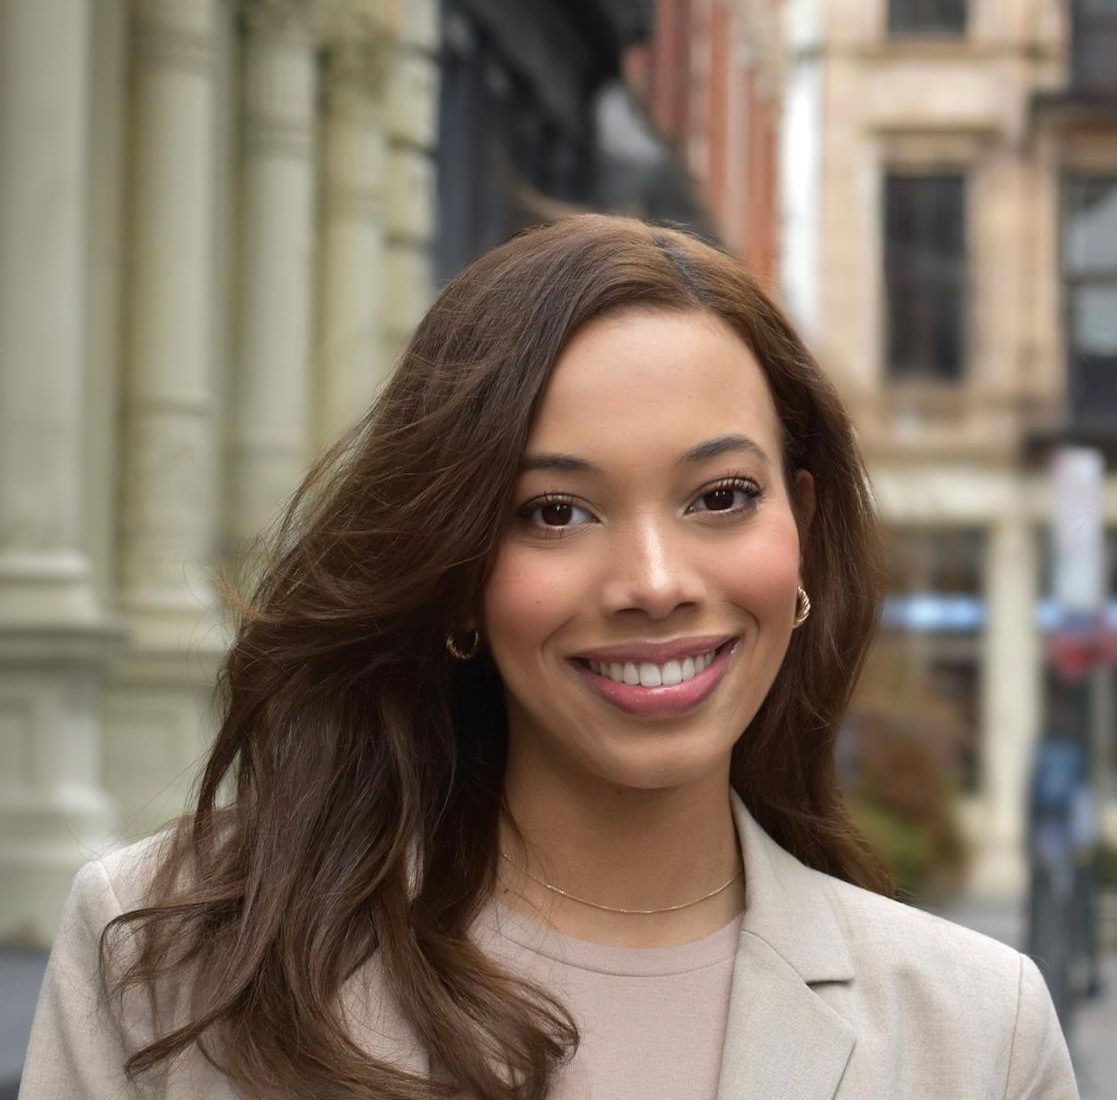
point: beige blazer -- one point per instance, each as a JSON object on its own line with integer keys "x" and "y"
{"x": 838, "y": 994}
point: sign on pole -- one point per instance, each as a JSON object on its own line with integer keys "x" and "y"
{"x": 1078, "y": 533}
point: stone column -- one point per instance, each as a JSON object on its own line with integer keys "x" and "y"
{"x": 1011, "y": 700}
{"x": 412, "y": 132}
{"x": 169, "y": 488}
{"x": 271, "y": 423}
{"x": 157, "y": 709}
{"x": 53, "y": 633}
{"x": 352, "y": 277}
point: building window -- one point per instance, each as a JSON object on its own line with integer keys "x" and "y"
{"x": 925, "y": 276}
{"x": 927, "y": 17}
{"x": 1090, "y": 298}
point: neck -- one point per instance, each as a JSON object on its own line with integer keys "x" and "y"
{"x": 624, "y": 848}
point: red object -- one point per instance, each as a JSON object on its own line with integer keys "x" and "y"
{"x": 1076, "y": 653}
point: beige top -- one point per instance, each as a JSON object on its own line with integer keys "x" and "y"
{"x": 651, "y": 1019}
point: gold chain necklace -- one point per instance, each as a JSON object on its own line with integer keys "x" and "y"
{"x": 612, "y": 908}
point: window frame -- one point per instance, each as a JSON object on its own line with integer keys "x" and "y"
{"x": 1080, "y": 401}
{"x": 910, "y": 19}
{"x": 921, "y": 369}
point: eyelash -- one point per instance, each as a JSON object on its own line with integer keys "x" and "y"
{"x": 745, "y": 485}
{"x": 525, "y": 512}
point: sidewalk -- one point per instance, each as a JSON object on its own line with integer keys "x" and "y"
{"x": 1093, "y": 1032}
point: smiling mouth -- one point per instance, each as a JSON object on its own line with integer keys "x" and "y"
{"x": 650, "y": 675}
{"x": 650, "y": 690}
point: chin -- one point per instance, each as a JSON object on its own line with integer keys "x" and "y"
{"x": 663, "y": 767}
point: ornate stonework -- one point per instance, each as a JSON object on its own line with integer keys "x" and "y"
{"x": 355, "y": 20}
{"x": 249, "y": 270}
{"x": 297, "y": 20}
{"x": 176, "y": 34}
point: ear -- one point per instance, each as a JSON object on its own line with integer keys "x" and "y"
{"x": 803, "y": 503}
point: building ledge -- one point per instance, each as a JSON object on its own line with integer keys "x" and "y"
{"x": 1076, "y": 104}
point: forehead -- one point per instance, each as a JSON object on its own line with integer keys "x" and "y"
{"x": 654, "y": 382}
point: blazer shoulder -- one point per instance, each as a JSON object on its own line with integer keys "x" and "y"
{"x": 129, "y": 871}
{"x": 870, "y": 915}
{"x": 886, "y": 932}
{"x": 932, "y": 977}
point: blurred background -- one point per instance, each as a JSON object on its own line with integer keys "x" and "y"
{"x": 221, "y": 219}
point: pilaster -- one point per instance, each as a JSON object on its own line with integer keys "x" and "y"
{"x": 271, "y": 425}
{"x": 169, "y": 522}
{"x": 54, "y": 634}
{"x": 1011, "y": 701}
{"x": 352, "y": 275}
{"x": 158, "y": 703}
{"x": 412, "y": 124}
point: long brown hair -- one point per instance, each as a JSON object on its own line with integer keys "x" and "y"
{"x": 349, "y": 807}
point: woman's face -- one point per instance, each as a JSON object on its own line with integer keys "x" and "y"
{"x": 642, "y": 600}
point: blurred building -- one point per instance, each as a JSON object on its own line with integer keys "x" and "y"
{"x": 538, "y": 120}
{"x": 216, "y": 220}
{"x": 220, "y": 222}
{"x": 710, "y": 76}
{"x": 949, "y": 193}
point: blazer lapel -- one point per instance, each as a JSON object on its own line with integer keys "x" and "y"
{"x": 781, "y": 1039}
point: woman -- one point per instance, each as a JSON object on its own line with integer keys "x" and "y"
{"x": 524, "y": 785}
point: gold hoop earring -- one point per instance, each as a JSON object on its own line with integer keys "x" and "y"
{"x": 802, "y": 608}
{"x": 471, "y": 648}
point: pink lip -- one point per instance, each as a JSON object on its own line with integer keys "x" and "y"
{"x": 657, "y": 653}
{"x": 664, "y": 700}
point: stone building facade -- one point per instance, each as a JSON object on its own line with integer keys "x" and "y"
{"x": 949, "y": 222}
{"x": 216, "y": 223}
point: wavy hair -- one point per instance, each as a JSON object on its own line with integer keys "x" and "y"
{"x": 348, "y": 810}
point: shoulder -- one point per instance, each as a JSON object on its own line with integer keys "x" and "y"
{"x": 880, "y": 929}
{"x": 938, "y": 990}
{"x": 128, "y": 872}
{"x": 81, "y": 1038}
{"x": 105, "y": 887}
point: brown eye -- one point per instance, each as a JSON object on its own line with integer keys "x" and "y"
{"x": 557, "y": 514}
{"x": 738, "y": 495}
{"x": 553, "y": 515}
{"x": 719, "y": 500}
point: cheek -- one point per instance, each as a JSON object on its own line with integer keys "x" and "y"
{"x": 526, "y": 599}
{"x": 762, "y": 574}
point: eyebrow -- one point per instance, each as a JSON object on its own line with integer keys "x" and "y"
{"x": 731, "y": 443}
{"x": 724, "y": 444}
{"x": 553, "y": 461}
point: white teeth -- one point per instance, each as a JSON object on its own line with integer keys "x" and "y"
{"x": 647, "y": 674}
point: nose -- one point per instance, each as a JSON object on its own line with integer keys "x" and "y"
{"x": 651, "y": 570}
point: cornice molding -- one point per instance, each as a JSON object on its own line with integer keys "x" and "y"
{"x": 297, "y": 20}
{"x": 330, "y": 24}
{"x": 180, "y": 35}
{"x": 362, "y": 63}
{"x": 348, "y": 21}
